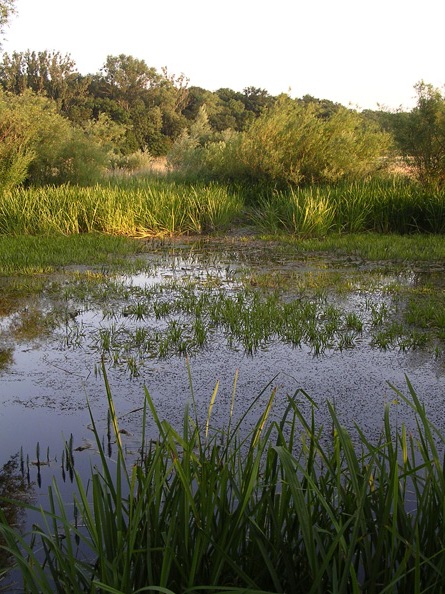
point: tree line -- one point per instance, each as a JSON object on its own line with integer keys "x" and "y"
{"x": 57, "y": 125}
{"x": 152, "y": 107}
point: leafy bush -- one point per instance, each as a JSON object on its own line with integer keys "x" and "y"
{"x": 421, "y": 134}
{"x": 289, "y": 144}
{"x": 16, "y": 152}
{"x": 138, "y": 161}
{"x": 40, "y": 146}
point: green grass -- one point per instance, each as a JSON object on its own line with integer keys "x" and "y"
{"x": 28, "y": 254}
{"x": 389, "y": 247}
{"x": 289, "y": 507}
{"x": 161, "y": 206}
{"x": 156, "y": 207}
{"x": 385, "y": 206}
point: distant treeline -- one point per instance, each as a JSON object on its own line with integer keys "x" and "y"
{"x": 153, "y": 107}
{"x": 60, "y": 126}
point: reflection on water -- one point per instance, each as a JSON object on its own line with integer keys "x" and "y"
{"x": 15, "y": 485}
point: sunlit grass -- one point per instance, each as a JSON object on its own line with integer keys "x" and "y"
{"x": 372, "y": 246}
{"x": 27, "y": 254}
{"x": 157, "y": 207}
{"x": 385, "y": 206}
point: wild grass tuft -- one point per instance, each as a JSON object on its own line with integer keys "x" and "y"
{"x": 156, "y": 207}
{"x": 379, "y": 205}
{"x": 287, "y": 507}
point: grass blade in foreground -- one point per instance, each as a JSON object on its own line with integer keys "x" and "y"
{"x": 290, "y": 508}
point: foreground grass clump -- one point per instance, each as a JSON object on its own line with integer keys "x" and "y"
{"x": 288, "y": 508}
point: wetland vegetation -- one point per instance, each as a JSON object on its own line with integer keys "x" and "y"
{"x": 222, "y": 337}
{"x": 310, "y": 488}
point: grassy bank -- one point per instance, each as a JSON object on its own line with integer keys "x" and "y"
{"x": 29, "y": 254}
{"x": 154, "y": 208}
{"x": 292, "y": 507}
{"x": 161, "y": 206}
{"x": 37, "y": 254}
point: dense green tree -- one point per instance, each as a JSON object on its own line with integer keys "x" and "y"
{"x": 325, "y": 107}
{"x": 228, "y": 109}
{"x": 232, "y": 113}
{"x": 197, "y": 97}
{"x": 421, "y": 134}
{"x": 128, "y": 79}
{"x": 256, "y": 100}
{"x": 147, "y": 102}
{"x": 50, "y": 74}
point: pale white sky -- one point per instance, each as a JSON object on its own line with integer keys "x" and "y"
{"x": 352, "y": 51}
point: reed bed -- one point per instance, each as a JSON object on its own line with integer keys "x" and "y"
{"x": 290, "y": 507}
{"x": 383, "y": 206}
{"x": 164, "y": 207}
{"x": 154, "y": 208}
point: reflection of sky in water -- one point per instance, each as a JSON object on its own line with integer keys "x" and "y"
{"x": 43, "y": 395}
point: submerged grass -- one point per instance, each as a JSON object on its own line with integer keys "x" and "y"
{"x": 284, "y": 509}
{"x": 6, "y": 357}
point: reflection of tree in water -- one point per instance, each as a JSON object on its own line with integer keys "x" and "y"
{"x": 14, "y": 485}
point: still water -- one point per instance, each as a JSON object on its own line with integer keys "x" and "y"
{"x": 123, "y": 319}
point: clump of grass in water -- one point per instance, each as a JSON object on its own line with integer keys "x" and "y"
{"x": 6, "y": 357}
{"x": 283, "y": 509}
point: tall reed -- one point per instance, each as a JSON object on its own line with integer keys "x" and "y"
{"x": 289, "y": 507}
{"x": 381, "y": 205}
{"x": 157, "y": 207}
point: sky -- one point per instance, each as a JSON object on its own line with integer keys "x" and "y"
{"x": 356, "y": 52}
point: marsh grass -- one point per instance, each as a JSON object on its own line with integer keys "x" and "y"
{"x": 378, "y": 205}
{"x": 319, "y": 309}
{"x": 34, "y": 255}
{"x": 155, "y": 208}
{"x": 287, "y": 507}
{"x": 372, "y": 246}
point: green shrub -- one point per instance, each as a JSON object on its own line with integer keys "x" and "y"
{"x": 40, "y": 146}
{"x": 16, "y": 152}
{"x": 290, "y": 143}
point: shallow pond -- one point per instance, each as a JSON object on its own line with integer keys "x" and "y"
{"x": 336, "y": 328}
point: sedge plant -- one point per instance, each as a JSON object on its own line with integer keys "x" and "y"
{"x": 284, "y": 507}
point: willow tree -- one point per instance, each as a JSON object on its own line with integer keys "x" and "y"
{"x": 7, "y": 9}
